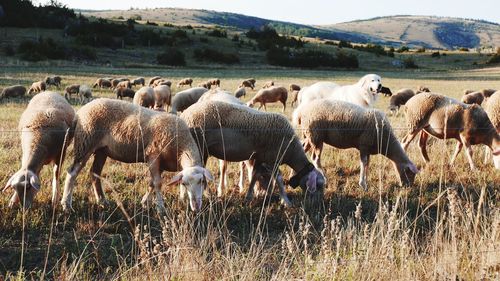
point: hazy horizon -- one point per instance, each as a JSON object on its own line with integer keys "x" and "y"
{"x": 308, "y": 12}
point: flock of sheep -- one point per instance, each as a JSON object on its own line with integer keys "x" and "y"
{"x": 214, "y": 122}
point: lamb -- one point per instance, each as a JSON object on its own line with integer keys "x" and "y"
{"x": 13, "y": 92}
{"x": 345, "y": 125}
{"x": 444, "y": 117}
{"x": 45, "y": 135}
{"x": 273, "y": 94}
{"x": 138, "y": 81}
{"x": 240, "y": 92}
{"x": 386, "y": 91}
{"x": 492, "y": 108}
{"x": 162, "y": 96}
{"x": 153, "y": 79}
{"x": 400, "y": 98}
{"x": 237, "y": 133}
{"x": 37, "y": 87}
{"x": 124, "y": 92}
{"x": 165, "y": 143}
{"x": 186, "y": 98}
{"x": 85, "y": 94}
{"x": 124, "y": 84}
{"x": 248, "y": 83}
{"x": 214, "y": 82}
{"x": 71, "y": 89}
{"x": 55, "y": 80}
{"x": 185, "y": 82}
{"x": 145, "y": 96}
{"x": 473, "y": 98}
{"x": 422, "y": 89}
{"x": 268, "y": 84}
{"x": 205, "y": 85}
{"x": 102, "y": 83}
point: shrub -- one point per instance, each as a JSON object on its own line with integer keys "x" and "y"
{"x": 345, "y": 44}
{"x": 171, "y": 57}
{"x": 267, "y": 38}
{"x": 236, "y": 38}
{"x": 330, "y": 43}
{"x": 212, "y": 55}
{"x": 217, "y": 33}
{"x": 409, "y": 62}
{"x": 41, "y": 50}
{"x": 136, "y": 17}
{"x": 151, "y": 23}
{"x": 403, "y": 49}
{"x": 421, "y": 50}
{"x": 373, "y": 48}
{"x": 308, "y": 59}
{"x": 436, "y": 55}
{"x": 463, "y": 49}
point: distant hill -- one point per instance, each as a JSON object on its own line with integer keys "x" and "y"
{"x": 426, "y": 31}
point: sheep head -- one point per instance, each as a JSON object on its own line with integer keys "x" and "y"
{"x": 26, "y": 184}
{"x": 406, "y": 172}
{"x": 194, "y": 180}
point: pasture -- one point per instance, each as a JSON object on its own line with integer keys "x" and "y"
{"x": 446, "y": 226}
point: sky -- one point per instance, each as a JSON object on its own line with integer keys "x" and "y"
{"x": 313, "y": 11}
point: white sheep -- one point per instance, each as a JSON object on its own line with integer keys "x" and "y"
{"x": 37, "y": 87}
{"x": 268, "y": 95}
{"x": 145, "y": 96}
{"x": 345, "y": 125}
{"x": 153, "y": 79}
{"x": 44, "y": 127}
{"x": 444, "y": 117}
{"x": 186, "y": 98}
{"x": 133, "y": 134}
{"x": 492, "y": 108}
{"x": 163, "y": 97}
{"x": 237, "y": 133}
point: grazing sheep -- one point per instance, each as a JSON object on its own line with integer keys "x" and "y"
{"x": 214, "y": 82}
{"x": 163, "y": 97}
{"x": 44, "y": 127}
{"x": 37, "y": 87}
{"x": 400, "y": 98}
{"x": 124, "y": 84}
{"x": 237, "y": 133}
{"x": 240, "y": 92}
{"x": 114, "y": 83}
{"x": 345, "y": 125}
{"x": 268, "y": 84}
{"x": 492, "y": 108}
{"x": 13, "y": 92}
{"x": 386, "y": 91}
{"x": 186, "y": 98}
{"x": 123, "y": 79}
{"x": 205, "y": 85}
{"x": 422, "y": 89}
{"x": 85, "y": 94}
{"x": 165, "y": 144}
{"x": 293, "y": 87}
{"x": 273, "y": 94}
{"x": 55, "y": 80}
{"x": 185, "y": 82}
{"x": 474, "y": 97}
{"x": 153, "y": 79}
{"x": 444, "y": 117}
{"x": 124, "y": 92}
{"x": 139, "y": 81}
{"x": 102, "y": 83}
{"x": 145, "y": 97}
{"x": 248, "y": 83}
{"x": 219, "y": 95}
{"x": 363, "y": 93}
{"x": 70, "y": 90}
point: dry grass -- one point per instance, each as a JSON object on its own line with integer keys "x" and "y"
{"x": 444, "y": 227}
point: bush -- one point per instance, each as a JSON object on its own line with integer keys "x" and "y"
{"x": 345, "y": 44}
{"x": 463, "y": 49}
{"x": 151, "y": 23}
{"x": 373, "y": 48}
{"x": 409, "y": 62}
{"x": 308, "y": 59}
{"x": 236, "y": 38}
{"x": 403, "y": 49}
{"x": 136, "y": 17}
{"x": 421, "y": 50}
{"x": 212, "y": 55}
{"x": 217, "y": 33}
{"x": 171, "y": 57}
{"x": 41, "y": 50}
{"x": 436, "y": 55}
{"x": 22, "y": 13}
{"x": 330, "y": 43}
{"x": 267, "y": 38}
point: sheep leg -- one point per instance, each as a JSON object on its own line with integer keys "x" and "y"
{"x": 422, "y": 142}
{"x": 316, "y": 156}
{"x": 457, "y": 150}
{"x": 253, "y": 179}
{"x": 242, "y": 175}
{"x": 69, "y": 183}
{"x": 284, "y": 197}
{"x": 95, "y": 176}
{"x": 365, "y": 161}
{"x": 154, "y": 169}
{"x": 223, "y": 177}
{"x": 284, "y": 106}
{"x": 468, "y": 152}
{"x": 55, "y": 180}
{"x": 408, "y": 138}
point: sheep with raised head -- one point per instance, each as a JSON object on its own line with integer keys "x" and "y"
{"x": 186, "y": 98}
{"x": 139, "y": 81}
{"x": 269, "y": 95}
{"x": 185, "y": 82}
{"x": 294, "y": 90}
{"x": 400, "y": 98}
{"x": 345, "y": 125}
{"x": 163, "y": 97}
{"x": 145, "y": 97}
{"x": 237, "y": 133}
{"x": 444, "y": 117}
{"x": 102, "y": 83}
{"x": 165, "y": 145}
{"x": 124, "y": 92}
{"x": 37, "y": 87}
{"x": 53, "y": 80}
{"x": 45, "y": 135}
{"x": 473, "y": 98}
{"x": 293, "y": 87}
{"x": 14, "y": 91}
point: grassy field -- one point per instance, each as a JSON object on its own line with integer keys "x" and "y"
{"x": 446, "y": 226}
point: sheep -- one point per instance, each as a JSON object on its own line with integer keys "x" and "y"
{"x": 145, "y": 96}
{"x": 121, "y": 79}
{"x": 37, "y": 87}
{"x": 114, "y": 83}
{"x": 488, "y": 92}
{"x": 466, "y": 92}
{"x": 205, "y": 85}
{"x": 273, "y": 94}
{"x": 13, "y": 92}
{"x": 45, "y": 135}
{"x": 138, "y": 81}
{"x": 474, "y": 97}
{"x": 294, "y": 90}
{"x": 55, "y": 80}
{"x": 293, "y": 87}
{"x": 268, "y": 84}
{"x": 345, "y": 125}
{"x": 248, "y": 83}
{"x": 444, "y": 117}
{"x": 186, "y": 98}
{"x": 153, "y": 79}
{"x": 102, "y": 83}
{"x": 240, "y": 92}
{"x": 219, "y": 95}
{"x": 185, "y": 82}
{"x": 492, "y": 108}
{"x": 165, "y": 143}
{"x": 422, "y": 89}
{"x": 124, "y": 84}
{"x": 85, "y": 94}
{"x": 400, "y": 98}
{"x": 386, "y": 91}
{"x": 237, "y": 133}
{"x": 214, "y": 82}
{"x": 163, "y": 82}
{"x": 71, "y": 89}
{"x": 124, "y": 92}
{"x": 162, "y": 96}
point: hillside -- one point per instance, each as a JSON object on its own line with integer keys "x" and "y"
{"x": 426, "y": 31}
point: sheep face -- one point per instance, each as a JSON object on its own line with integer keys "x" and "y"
{"x": 194, "y": 180}
{"x": 25, "y": 184}
{"x": 313, "y": 181}
{"x": 407, "y": 173}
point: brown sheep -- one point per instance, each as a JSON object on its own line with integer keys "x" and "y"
{"x": 474, "y": 97}
{"x": 165, "y": 83}
{"x": 13, "y": 91}
{"x": 139, "y": 81}
{"x": 37, "y": 87}
{"x": 248, "y": 83}
{"x": 214, "y": 82}
{"x": 124, "y": 84}
{"x": 144, "y": 97}
{"x": 205, "y": 85}
{"x": 294, "y": 87}
{"x": 185, "y": 82}
{"x": 124, "y": 92}
{"x": 163, "y": 97}
{"x": 488, "y": 92}
{"x": 102, "y": 83}
{"x": 400, "y": 98}
{"x": 422, "y": 89}
{"x": 114, "y": 83}
{"x": 71, "y": 89}
{"x": 273, "y": 94}
{"x": 56, "y": 81}
{"x": 268, "y": 84}
{"x": 153, "y": 79}
{"x": 386, "y": 91}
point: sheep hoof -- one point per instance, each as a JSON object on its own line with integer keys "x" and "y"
{"x": 286, "y": 202}
{"x": 67, "y": 208}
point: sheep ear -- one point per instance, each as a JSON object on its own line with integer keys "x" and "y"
{"x": 176, "y": 179}
{"x": 207, "y": 175}
{"x": 35, "y": 182}
{"x": 413, "y": 168}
